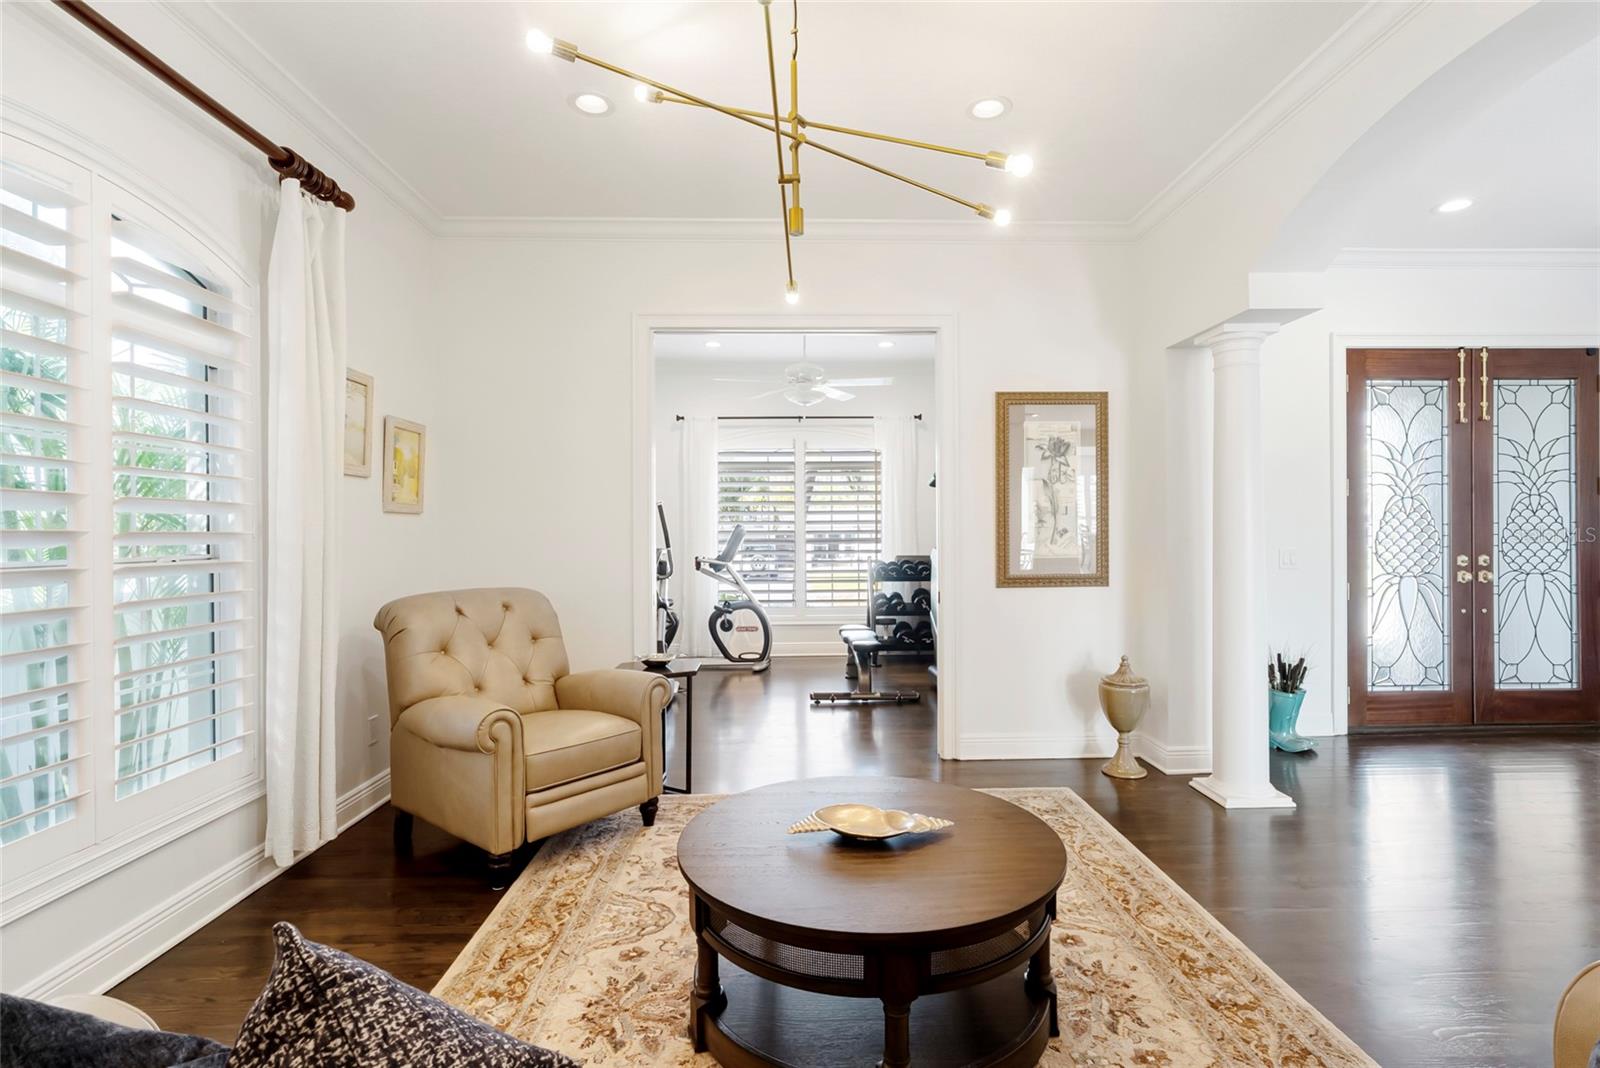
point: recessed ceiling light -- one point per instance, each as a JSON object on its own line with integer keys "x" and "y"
{"x": 713, "y": 344}
{"x": 991, "y": 107}
{"x": 1454, "y": 204}
{"x": 886, "y": 344}
{"x": 591, "y": 103}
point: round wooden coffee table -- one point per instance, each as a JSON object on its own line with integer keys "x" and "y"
{"x": 795, "y": 933}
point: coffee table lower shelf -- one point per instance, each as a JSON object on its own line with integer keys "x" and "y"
{"x": 996, "y": 1024}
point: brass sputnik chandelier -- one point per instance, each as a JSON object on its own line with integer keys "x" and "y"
{"x": 795, "y": 128}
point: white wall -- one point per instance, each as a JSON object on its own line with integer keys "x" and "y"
{"x": 542, "y": 446}
{"x": 64, "y": 89}
{"x": 688, "y": 388}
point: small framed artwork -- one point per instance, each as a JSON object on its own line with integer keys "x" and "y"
{"x": 357, "y": 424}
{"x": 405, "y": 448}
{"x": 1051, "y": 507}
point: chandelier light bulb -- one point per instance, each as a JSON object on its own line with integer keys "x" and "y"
{"x": 644, "y": 94}
{"x": 791, "y": 293}
{"x": 1002, "y": 216}
{"x": 1020, "y": 165}
{"x": 540, "y": 43}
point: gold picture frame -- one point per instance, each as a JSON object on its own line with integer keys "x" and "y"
{"x": 1052, "y": 513}
{"x": 405, "y": 452}
{"x": 357, "y": 423}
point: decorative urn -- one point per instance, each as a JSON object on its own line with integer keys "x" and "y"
{"x": 1124, "y": 697}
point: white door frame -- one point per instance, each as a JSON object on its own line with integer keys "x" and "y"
{"x": 943, "y": 327}
{"x": 1340, "y": 382}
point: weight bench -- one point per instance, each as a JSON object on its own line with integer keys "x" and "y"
{"x": 861, "y": 648}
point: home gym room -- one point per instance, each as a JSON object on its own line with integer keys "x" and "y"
{"x": 811, "y": 637}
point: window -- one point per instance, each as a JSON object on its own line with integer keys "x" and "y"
{"x": 843, "y": 525}
{"x": 805, "y": 550}
{"x": 756, "y": 487}
{"x": 127, "y": 468}
{"x": 42, "y": 516}
{"x": 178, "y": 450}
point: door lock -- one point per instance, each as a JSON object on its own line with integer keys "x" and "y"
{"x": 1463, "y": 560}
{"x": 1483, "y": 560}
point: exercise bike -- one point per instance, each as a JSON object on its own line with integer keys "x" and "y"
{"x": 739, "y": 625}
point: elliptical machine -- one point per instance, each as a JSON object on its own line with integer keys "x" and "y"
{"x": 666, "y": 618}
{"x": 739, "y": 625}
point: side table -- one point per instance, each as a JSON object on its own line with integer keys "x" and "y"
{"x": 683, "y": 668}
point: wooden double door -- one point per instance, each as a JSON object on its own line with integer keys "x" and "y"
{"x": 1474, "y": 538}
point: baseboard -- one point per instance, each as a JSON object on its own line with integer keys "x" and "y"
{"x": 362, "y": 801}
{"x": 1032, "y": 746}
{"x": 141, "y": 940}
{"x": 1175, "y": 759}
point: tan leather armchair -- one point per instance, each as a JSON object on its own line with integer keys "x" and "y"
{"x": 492, "y": 739}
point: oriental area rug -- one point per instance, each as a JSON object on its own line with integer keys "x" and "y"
{"x": 590, "y": 952}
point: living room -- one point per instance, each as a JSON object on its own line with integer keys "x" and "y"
{"x": 1237, "y": 331}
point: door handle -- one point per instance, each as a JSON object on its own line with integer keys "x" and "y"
{"x": 1486, "y": 576}
{"x": 1461, "y": 384}
{"x": 1483, "y": 385}
{"x": 1463, "y": 576}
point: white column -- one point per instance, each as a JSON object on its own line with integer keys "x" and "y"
{"x": 1239, "y": 748}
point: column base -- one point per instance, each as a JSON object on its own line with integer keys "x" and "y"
{"x": 1229, "y": 796}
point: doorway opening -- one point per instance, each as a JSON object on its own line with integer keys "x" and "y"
{"x": 819, "y": 445}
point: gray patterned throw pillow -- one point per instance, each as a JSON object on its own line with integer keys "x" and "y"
{"x": 326, "y": 1008}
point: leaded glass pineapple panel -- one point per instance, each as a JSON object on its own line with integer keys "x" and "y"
{"x": 1408, "y": 532}
{"x": 1536, "y": 558}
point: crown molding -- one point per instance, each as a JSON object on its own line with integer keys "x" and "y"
{"x": 210, "y": 27}
{"x": 909, "y": 231}
{"x": 1468, "y": 259}
{"x": 1351, "y": 43}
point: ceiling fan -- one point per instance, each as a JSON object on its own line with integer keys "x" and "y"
{"x": 806, "y": 384}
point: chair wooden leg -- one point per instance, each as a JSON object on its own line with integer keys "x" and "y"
{"x": 402, "y": 831}
{"x": 499, "y": 867}
{"x": 647, "y": 811}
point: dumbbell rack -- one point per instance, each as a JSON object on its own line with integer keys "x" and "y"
{"x": 880, "y": 581}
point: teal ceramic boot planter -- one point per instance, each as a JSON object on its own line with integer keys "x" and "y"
{"x": 1283, "y": 713}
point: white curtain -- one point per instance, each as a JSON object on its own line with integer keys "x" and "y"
{"x": 305, "y": 319}
{"x": 895, "y": 438}
{"x": 697, "y": 481}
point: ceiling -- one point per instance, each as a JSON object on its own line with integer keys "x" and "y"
{"x": 783, "y": 348}
{"x": 1113, "y": 100}
{"x": 1512, "y": 124}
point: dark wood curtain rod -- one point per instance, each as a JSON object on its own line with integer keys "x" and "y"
{"x": 801, "y": 418}
{"x": 286, "y": 161}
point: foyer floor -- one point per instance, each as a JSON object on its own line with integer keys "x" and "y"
{"x": 1432, "y": 895}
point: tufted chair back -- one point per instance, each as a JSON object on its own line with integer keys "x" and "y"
{"x": 504, "y": 644}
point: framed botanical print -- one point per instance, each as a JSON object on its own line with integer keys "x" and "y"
{"x": 357, "y": 424}
{"x": 405, "y": 447}
{"x": 1051, "y": 490}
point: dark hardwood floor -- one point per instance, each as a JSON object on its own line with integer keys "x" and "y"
{"x": 1431, "y": 894}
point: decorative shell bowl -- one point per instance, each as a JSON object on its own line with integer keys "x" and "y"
{"x": 657, "y": 659}
{"x": 868, "y": 821}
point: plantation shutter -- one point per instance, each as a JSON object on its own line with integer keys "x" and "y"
{"x": 843, "y": 525}
{"x": 183, "y": 389}
{"x": 756, "y": 487}
{"x": 44, "y": 625}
